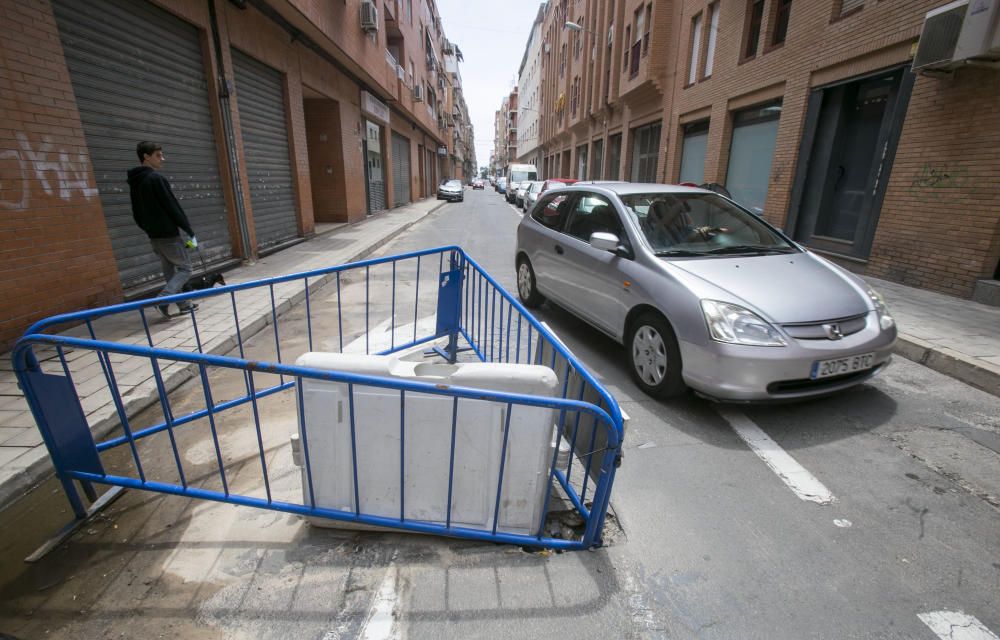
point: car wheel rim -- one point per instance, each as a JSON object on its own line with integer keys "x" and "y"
{"x": 649, "y": 355}
{"x": 524, "y": 281}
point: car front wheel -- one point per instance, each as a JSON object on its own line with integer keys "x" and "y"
{"x": 526, "y": 289}
{"x": 654, "y": 359}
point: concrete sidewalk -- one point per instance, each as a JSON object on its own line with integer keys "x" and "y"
{"x": 24, "y": 460}
{"x": 956, "y": 337}
{"x": 959, "y": 338}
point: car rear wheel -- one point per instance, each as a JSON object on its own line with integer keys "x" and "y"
{"x": 526, "y": 289}
{"x": 654, "y": 359}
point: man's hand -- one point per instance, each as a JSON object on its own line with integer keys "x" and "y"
{"x": 191, "y": 243}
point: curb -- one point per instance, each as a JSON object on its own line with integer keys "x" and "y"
{"x": 25, "y": 480}
{"x": 975, "y": 373}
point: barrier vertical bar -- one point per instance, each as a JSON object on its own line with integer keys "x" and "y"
{"x": 274, "y": 321}
{"x": 340, "y": 317}
{"x": 416, "y": 301}
{"x": 197, "y": 335}
{"x": 576, "y": 428}
{"x": 517, "y": 349}
{"x": 260, "y": 437}
{"x": 354, "y": 451}
{"x": 122, "y": 417}
{"x": 392, "y": 315}
{"x": 210, "y": 406}
{"x": 555, "y": 457}
{"x": 305, "y": 440}
{"x": 493, "y": 322}
{"x": 309, "y": 327}
{"x": 451, "y": 459}
{"x": 402, "y": 455}
{"x": 503, "y": 460}
{"x": 590, "y": 455}
{"x": 239, "y": 336}
{"x": 367, "y": 307}
{"x": 168, "y": 416}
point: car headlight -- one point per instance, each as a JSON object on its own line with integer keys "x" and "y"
{"x": 733, "y": 324}
{"x": 885, "y": 321}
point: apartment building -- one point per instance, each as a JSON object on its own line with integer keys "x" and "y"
{"x": 274, "y": 116}
{"x": 529, "y": 94}
{"x": 807, "y": 111}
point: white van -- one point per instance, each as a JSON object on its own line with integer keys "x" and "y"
{"x": 516, "y": 174}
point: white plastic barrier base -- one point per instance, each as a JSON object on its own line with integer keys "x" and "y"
{"x": 426, "y": 443}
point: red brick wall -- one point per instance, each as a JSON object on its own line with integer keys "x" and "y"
{"x": 55, "y": 254}
{"x": 939, "y": 223}
{"x": 326, "y": 158}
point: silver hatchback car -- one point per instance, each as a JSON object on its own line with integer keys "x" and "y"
{"x": 702, "y": 293}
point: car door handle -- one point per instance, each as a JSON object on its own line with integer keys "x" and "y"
{"x": 559, "y": 250}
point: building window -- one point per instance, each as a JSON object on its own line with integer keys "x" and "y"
{"x": 751, "y": 152}
{"x": 614, "y": 156}
{"x": 782, "y": 12}
{"x": 695, "y": 49}
{"x": 598, "y": 160}
{"x": 581, "y": 162}
{"x": 649, "y": 25}
{"x": 645, "y": 152}
{"x": 755, "y": 16}
{"x": 713, "y": 31}
{"x": 693, "y": 151}
{"x": 849, "y": 6}
{"x": 578, "y": 41}
{"x": 562, "y": 60}
{"x": 628, "y": 36}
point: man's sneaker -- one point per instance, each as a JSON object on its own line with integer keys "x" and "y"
{"x": 164, "y": 310}
{"x": 188, "y": 307}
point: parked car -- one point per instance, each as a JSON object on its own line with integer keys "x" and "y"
{"x": 502, "y": 185}
{"x": 702, "y": 293}
{"x": 552, "y": 183}
{"x": 478, "y": 184}
{"x": 522, "y": 189}
{"x": 511, "y": 193}
{"x": 531, "y": 195}
{"x": 452, "y": 190}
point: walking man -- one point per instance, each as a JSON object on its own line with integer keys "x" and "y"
{"x": 157, "y": 212}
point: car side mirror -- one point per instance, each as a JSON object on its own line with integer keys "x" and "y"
{"x": 604, "y": 241}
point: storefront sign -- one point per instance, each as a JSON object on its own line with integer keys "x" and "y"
{"x": 374, "y": 108}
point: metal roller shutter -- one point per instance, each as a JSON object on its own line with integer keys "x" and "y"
{"x": 128, "y": 91}
{"x": 400, "y": 170}
{"x": 260, "y": 95}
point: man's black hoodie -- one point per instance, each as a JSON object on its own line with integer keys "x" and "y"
{"x": 154, "y": 207}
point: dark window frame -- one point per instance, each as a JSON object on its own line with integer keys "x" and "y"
{"x": 780, "y": 16}
{"x": 753, "y": 21}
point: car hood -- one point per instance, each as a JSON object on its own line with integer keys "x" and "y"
{"x": 786, "y": 288}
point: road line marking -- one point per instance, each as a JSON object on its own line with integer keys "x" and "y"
{"x": 804, "y": 484}
{"x": 956, "y": 625}
{"x": 381, "y": 623}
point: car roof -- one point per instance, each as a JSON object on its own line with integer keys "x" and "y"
{"x": 629, "y": 188}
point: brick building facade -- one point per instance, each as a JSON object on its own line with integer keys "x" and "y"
{"x": 274, "y": 116}
{"x": 807, "y": 112}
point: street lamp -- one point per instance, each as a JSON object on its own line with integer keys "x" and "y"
{"x": 572, "y": 26}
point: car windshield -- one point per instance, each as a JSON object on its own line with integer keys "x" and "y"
{"x": 453, "y": 183}
{"x": 536, "y": 187}
{"x": 519, "y": 176}
{"x": 699, "y": 224}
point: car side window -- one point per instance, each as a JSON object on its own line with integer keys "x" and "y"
{"x": 552, "y": 211}
{"x": 591, "y": 214}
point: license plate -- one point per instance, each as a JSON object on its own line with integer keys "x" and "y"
{"x": 841, "y": 366}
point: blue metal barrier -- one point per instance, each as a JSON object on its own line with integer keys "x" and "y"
{"x": 474, "y": 317}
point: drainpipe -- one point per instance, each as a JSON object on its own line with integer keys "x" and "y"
{"x": 227, "y": 125}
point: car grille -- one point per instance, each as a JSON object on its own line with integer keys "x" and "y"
{"x": 808, "y": 384}
{"x": 816, "y": 330}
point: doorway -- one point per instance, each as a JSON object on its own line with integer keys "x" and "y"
{"x": 850, "y": 139}
{"x": 374, "y": 172}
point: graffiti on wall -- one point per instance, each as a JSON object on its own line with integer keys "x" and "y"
{"x": 934, "y": 177}
{"x": 54, "y": 172}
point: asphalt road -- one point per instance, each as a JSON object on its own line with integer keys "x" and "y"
{"x": 718, "y": 546}
{"x": 887, "y": 528}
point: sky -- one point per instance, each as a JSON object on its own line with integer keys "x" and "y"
{"x": 492, "y": 42}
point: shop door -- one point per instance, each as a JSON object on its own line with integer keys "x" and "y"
{"x": 851, "y": 130}
{"x": 126, "y": 92}
{"x": 400, "y": 170}
{"x": 260, "y": 94}
{"x": 374, "y": 172}
{"x": 645, "y": 150}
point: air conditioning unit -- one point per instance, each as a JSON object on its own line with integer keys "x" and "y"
{"x": 369, "y": 16}
{"x": 418, "y": 92}
{"x": 959, "y": 33}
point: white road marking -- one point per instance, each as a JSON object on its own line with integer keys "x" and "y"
{"x": 798, "y": 479}
{"x": 843, "y": 524}
{"x": 381, "y": 621}
{"x": 955, "y": 625}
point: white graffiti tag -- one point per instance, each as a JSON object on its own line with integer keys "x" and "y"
{"x": 57, "y": 172}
